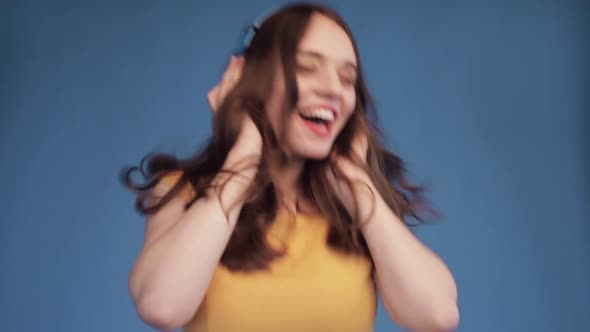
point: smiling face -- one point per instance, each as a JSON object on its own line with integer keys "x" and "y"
{"x": 326, "y": 72}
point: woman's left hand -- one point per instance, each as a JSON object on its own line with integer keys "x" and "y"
{"x": 346, "y": 168}
{"x": 358, "y": 151}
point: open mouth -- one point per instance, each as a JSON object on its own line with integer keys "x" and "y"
{"x": 318, "y": 120}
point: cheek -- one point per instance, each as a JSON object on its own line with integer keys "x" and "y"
{"x": 351, "y": 98}
{"x": 350, "y": 105}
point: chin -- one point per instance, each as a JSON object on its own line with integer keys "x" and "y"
{"x": 316, "y": 156}
{"x": 313, "y": 153}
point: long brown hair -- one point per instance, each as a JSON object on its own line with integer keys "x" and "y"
{"x": 277, "y": 39}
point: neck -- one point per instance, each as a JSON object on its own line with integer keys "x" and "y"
{"x": 285, "y": 177}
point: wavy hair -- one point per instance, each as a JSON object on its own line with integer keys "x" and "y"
{"x": 277, "y": 39}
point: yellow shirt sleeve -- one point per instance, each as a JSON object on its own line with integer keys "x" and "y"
{"x": 170, "y": 180}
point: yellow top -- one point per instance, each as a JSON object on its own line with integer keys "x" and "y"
{"x": 312, "y": 288}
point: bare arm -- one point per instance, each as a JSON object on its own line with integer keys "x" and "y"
{"x": 417, "y": 288}
{"x": 183, "y": 248}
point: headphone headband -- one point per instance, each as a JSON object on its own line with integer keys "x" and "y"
{"x": 251, "y": 30}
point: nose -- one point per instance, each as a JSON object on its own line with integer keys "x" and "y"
{"x": 329, "y": 84}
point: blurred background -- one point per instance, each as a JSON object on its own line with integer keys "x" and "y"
{"x": 488, "y": 103}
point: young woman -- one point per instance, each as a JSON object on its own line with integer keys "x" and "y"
{"x": 291, "y": 218}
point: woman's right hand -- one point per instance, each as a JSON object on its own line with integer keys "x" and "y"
{"x": 249, "y": 134}
{"x": 230, "y": 77}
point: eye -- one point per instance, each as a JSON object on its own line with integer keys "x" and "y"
{"x": 349, "y": 80}
{"x": 305, "y": 67}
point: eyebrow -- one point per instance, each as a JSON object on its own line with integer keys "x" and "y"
{"x": 320, "y": 56}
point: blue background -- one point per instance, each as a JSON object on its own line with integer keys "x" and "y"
{"x": 488, "y": 102}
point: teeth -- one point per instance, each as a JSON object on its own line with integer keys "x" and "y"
{"x": 318, "y": 113}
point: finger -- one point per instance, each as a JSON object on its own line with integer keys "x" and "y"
{"x": 223, "y": 88}
{"x": 213, "y": 99}
{"x": 360, "y": 146}
{"x": 235, "y": 71}
{"x": 241, "y": 62}
{"x": 226, "y": 74}
{"x": 227, "y": 70}
{"x": 230, "y": 78}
